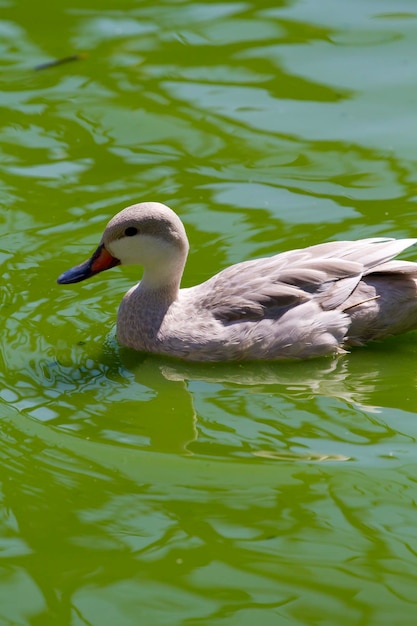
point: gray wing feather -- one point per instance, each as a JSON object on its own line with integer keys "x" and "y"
{"x": 328, "y": 273}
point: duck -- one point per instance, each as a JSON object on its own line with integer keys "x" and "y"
{"x": 308, "y": 302}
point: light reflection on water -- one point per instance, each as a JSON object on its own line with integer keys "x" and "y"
{"x": 132, "y": 526}
{"x": 138, "y": 489}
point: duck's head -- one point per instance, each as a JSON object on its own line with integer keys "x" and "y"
{"x": 148, "y": 234}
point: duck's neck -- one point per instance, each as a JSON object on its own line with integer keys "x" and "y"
{"x": 162, "y": 282}
{"x": 143, "y": 309}
{"x": 157, "y": 295}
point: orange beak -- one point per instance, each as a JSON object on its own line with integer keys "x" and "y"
{"x": 100, "y": 261}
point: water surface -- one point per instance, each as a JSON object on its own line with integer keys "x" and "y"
{"x": 137, "y": 489}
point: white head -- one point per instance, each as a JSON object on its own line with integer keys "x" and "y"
{"x": 148, "y": 234}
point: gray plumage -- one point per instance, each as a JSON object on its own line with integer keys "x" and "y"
{"x": 302, "y": 303}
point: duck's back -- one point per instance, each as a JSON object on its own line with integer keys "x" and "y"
{"x": 328, "y": 273}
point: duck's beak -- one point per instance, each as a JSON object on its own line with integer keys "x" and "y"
{"x": 100, "y": 261}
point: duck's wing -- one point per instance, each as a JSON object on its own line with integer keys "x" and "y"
{"x": 327, "y": 273}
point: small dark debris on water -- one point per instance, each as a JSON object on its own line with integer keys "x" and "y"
{"x": 56, "y": 62}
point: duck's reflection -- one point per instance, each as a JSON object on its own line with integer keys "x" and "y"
{"x": 287, "y": 409}
{"x": 369, "y": 378}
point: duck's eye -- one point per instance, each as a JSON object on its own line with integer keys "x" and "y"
{"x": 131, "y": 231}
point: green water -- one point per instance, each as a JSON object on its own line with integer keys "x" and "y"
{"x": 138, "y": 490}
